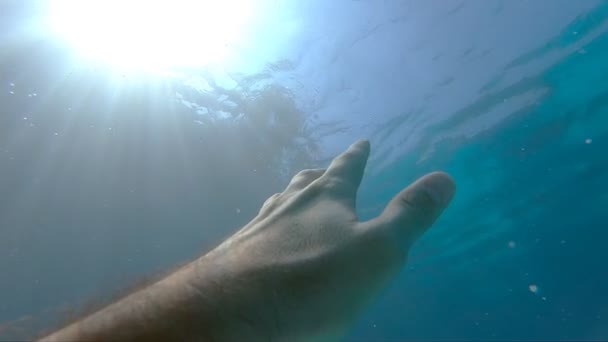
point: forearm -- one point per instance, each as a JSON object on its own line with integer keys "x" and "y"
{"x": 186, "y": 305}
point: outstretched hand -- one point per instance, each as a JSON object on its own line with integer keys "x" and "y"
{"x": 303, "y": 269}
{"x": 309, "y": 260}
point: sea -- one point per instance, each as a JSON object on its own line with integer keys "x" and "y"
{"x": 112, "y": 172}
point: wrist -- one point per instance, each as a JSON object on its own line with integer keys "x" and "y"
{"x": 238, "y": 305}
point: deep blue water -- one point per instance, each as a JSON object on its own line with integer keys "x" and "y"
{"x": 106, "y": 177}
{"x": 536, "y": 180}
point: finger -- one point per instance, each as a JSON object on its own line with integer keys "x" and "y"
{"x": 346, "y": 170}
{"x": 303, "y": 178}
{"x": 413, "y": 210}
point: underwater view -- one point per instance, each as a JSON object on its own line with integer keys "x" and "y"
{"x": 136, "y": 136}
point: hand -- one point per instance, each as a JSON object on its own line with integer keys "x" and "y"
{"x": 305, "y": 263}
{"x": 302, "y": 269}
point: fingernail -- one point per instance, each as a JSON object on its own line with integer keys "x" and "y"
{"x": 440, "y": 187}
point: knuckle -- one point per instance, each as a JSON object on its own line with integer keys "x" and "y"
{"x": 308, "y": 172}
{"x": 420, "y": 207}
{"x": 330, "y": 183}
{"x": 338, "y": 162}
{"x": 303, "y": 175}
{"x": 416, "y": 199}
{"x": 272, "y": 199}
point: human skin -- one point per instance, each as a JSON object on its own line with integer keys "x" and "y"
{"x": 302, "y": 270}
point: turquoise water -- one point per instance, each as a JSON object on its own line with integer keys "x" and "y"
{"x": 108, "y": 176}
{"x": 530, "y": 210}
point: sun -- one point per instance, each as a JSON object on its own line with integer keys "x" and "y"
{"x": 152, "y": 34}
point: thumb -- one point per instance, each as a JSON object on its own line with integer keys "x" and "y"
{"x": 413, "y": 210}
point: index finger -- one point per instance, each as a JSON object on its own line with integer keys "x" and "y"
{"x": 347, "y": 168}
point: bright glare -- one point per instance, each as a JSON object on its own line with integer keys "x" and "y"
{"x": 152, "y": 34}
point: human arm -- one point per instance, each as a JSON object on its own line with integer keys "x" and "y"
{"x": 303, "y": 269}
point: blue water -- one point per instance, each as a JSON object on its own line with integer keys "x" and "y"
{"x": 106, "y": 176}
